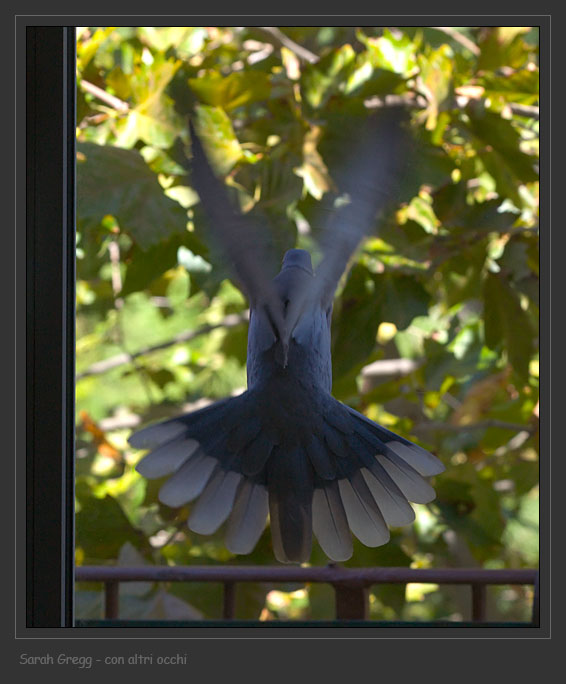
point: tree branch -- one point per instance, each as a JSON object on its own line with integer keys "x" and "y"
{"x": 100, "y": 94}
{"x": 459, "y": 38}
{"x": 481, "y": 425}
{"x": 229, "y": 321}
{"x": 418, "y": 101}
{"x": 529, "y": 111}
{"x": 282, "y": 40}
{"x": 390, "y": 367}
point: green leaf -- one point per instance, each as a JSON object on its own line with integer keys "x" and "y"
{"x": 218, "y": 138}
{"x": 420, "y": 211}
{"x": 451, "y": 206}
{"x": 161, "y": 377}
{"x": 507, "y": 323}
{"x": 187, "y": 40}
{"x": 354, "y": 329}
{"x": 402, "y": 298}
{"x": 499, "y": 135}
{"x": 102, "y": 528}
{"x": 462, "y": 273}
{"x": 235, "y": 90}
{"x": 392, "y": 52}
{"x": 521, "y": 86}
{"x": 426, "y": 164}
{"x": 116, "y": 182}
{"x": 436, "y": 71}
{"x": 153, "y": 118}
{"x": 144, "y": 266}
{"x": 319, "y": 82}
{"x": 522, "y": 532}
{"x": 502, "y": 46}
{"x": 367, "y": 301}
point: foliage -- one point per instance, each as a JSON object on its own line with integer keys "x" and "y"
{"x": 449, "y": 280}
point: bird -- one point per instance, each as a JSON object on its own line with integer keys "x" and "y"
{"x": 285, "y": 449}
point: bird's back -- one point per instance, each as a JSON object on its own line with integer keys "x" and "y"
{"x": 308, "y": 359}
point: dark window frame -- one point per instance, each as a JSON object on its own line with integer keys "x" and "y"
{"x": 50, "y": 324}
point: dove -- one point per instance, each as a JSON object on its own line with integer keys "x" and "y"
{"x": 285, "y": 449}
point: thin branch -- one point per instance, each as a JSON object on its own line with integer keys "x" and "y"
{"x": 418, "y": 101}
{"x": 481, "y": 425}
{"x": 529, "y": 111}
{"x": 520, "y": 230}
{"x": 119, "y": 422}
{"x": 100, "y": 367}
{"x": 459, "y": 38}
{"x": 282, "y": 40}
{"x": 100, "y": 94}
{"x": 516, "y": 442}
{"x": 412, "y": 100}
{"x": 390, "y": 367}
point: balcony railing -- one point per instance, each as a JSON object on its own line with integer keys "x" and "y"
{"x": 351, "y": 585}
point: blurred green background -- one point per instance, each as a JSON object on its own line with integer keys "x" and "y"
{"x": 446, "y": 289}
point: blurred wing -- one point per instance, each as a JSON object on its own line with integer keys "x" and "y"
{"x": 367, "y": 180}
{"x": 236, "y": 236}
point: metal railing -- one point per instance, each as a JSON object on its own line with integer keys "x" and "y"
{"x": 351, "y": 585}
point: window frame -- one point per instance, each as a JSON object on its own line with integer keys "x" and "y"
{"x": 50, "y": 324}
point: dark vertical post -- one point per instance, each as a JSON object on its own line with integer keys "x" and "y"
{"x": 478, "y": 602}
{"x": 352, "y": 602}
{"x": 536, "y": 603}
{"x": 229, "y": 601}
{"x": 50, "y": 341}
{"x": 111, "y": 600}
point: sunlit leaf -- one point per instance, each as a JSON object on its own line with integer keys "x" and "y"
{"x": 235, "y": 90}
{"x": 217, "y": 135}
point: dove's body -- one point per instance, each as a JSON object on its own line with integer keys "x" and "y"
{"x": 287, "y": 447}
{"x": 309, "y": 358}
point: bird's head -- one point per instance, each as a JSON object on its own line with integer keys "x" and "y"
{"x": 298, "y": 258}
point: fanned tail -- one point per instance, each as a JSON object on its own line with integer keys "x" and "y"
{"x": 345, "y": 474}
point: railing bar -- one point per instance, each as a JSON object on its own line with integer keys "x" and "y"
{"x": 111, "y": 599}
{"x": 330, "y": 575}
{"x": 478, "y": 602}
{"x": 336, "y": 576}
{"x": 350, "y": 584}
{"x": 229, "y": 601}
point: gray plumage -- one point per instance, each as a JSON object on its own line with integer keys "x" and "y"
{"x": 286, "y": 447}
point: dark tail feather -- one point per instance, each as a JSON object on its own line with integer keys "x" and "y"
{"x": 248, "y": 517}
{"x": 188, "y": 482}
{"x": 329, "y": 521}
{"x": 290, "y": 486}
{"x": 182, "y": 426}
{"x": 215, "y": 502}
{"x": 322, "y": 459}
{"x": 420, "y": 459}
{"x": 256, "y": 453}
{"x": 362, "y": 510}
{"x": 167, "y": 458}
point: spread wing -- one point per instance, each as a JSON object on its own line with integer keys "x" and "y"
{"x": 367, "y": 179}
{"x": 236, "y": 236}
